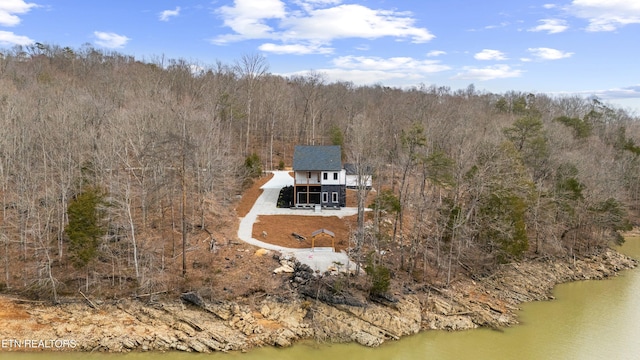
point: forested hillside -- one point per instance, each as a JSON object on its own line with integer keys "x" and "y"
{"x": 108, "y": 166}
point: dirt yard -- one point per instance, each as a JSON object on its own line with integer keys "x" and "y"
{"x": 278, "y": 230}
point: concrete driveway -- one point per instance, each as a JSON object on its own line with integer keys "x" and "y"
{"x": 319, "y": 259}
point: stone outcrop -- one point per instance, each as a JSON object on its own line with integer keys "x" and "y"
{"x": 194, "y": 324}
{"x": 494, "y": 301}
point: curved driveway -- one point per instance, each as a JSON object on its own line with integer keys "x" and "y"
{"x": 320, "y": 259}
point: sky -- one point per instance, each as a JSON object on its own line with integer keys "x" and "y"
{"x": 563, "y": 47}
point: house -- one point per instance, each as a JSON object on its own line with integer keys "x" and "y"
{"x": 319, "y": 178}
{"x": 352, "y": 176}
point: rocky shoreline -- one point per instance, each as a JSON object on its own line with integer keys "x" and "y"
{"x": 199, "y": 326}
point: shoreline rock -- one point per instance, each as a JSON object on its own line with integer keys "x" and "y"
{"x": 198, "y": 326}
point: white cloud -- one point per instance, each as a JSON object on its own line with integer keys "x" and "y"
{"x": 628, "y": 92}
{"x": 367, "y": 77}
{"x": 247, "y": 18}
{"x": 501, "y": 25}
{"x": 551, "y": 26}
{"x": 308, "y": 5}
{"x": 295, "y": 49}
{"x": 8, "y": 9}
{"x": 353, "y": 21}
{"x": 548, "y": 53}
{"x": 606, "y": 15}
{"x": 549, "y": 6}
{"x": 488, "y": 54}
{"x": 320, "y": 2}
{"x": 394, "y": 71}
{"x": 627, "y": 98}
{"x": 197, "y": 70}
{"x": 110, "y": 40}
{"x": 315, "y": 21}
{"x": 393, "y": 64}
{"x": 435, "y": 53}
{"x": 165, "y": 15}
{"x": 487, "y": 73}
{"x": 8, "y": 38}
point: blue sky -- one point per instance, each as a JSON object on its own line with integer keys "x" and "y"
{"x": 584, "y": 47}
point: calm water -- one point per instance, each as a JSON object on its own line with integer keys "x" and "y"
{"x": 588, "y": 320}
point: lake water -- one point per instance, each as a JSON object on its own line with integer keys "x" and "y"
{"x": 588, "y": 320}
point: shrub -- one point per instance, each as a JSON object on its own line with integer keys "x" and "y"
{"x": 86, "y": 225}
{"x": 380, "y": 277}
{"x": 253, "y": 165}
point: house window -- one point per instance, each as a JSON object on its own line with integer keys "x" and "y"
{"x": 334, "y": 197}
{"x": 335, "y": 176}
{"x": 309, "y": 175}
{"x": 325, "y": 197}
{"x": 325, "y": 176}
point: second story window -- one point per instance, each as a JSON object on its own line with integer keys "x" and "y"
{"x": 335, "y": 176}
{"x": 325, "y": 176}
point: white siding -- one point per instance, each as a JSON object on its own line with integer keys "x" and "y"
{"x": 352, "y": 181}
{"x": 302, "y": 178}
{"x": 342, "y": 177}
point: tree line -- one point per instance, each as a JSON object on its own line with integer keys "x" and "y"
{"x": 108, "y": 164}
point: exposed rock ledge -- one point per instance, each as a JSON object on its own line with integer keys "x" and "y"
{"x": 228, "y": 326}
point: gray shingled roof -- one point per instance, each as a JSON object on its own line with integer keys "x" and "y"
{"x": 314, "y": 158}
{"x": 351, "y": 169}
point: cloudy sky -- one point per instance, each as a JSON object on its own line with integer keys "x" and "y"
{"x": 585, "y": 47}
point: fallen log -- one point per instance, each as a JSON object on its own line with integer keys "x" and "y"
{"x": 298, "y": 236}
{"x": 89, "y": 301}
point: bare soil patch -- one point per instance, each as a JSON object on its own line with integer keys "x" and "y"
{"x": 11, "y": 311}
{"x": 352, "y": 198}
{"x": 250, "y": 196}
{"x": 278, "y": 230}
{"x": 236, "y": 271}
